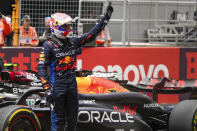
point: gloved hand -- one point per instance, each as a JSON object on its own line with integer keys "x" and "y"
{"x": 47, "y": 89}
{"x": 109, "y": 11}
{"x": 46, "y": 86}
{"x": 49, "y": 96}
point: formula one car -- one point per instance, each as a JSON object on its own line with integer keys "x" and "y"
{"x": 108, "y": 104}
{"x": 14, "y": 83}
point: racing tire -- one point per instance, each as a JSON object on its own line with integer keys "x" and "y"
{"x": 18, "y": 118}
{"x": 184, "y": 116}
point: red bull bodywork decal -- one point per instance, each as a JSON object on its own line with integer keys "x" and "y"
{"x": 96, "y": 85}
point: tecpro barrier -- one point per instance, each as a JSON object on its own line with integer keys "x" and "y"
{"x": 133, "y": 63}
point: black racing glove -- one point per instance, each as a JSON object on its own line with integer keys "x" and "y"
{"x": 46, "y": 86}
{"x": 48, "y": 94}
{"x": 109, "y": 11}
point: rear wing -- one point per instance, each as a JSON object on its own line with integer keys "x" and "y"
{"x": 169, "y": 83}
{"x": 164, "y": 86}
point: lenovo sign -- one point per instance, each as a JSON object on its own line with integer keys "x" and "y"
{"x": 138, "y": 71}
{"x": 132, "y": 64}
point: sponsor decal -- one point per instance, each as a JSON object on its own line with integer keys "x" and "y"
{"x": 67, "y": 63}
{"x": 43, "y": 80}
{"x": 124, "y": 130}
{"x": 68, "y": 53}
{"x": 41, "y": 62}
{"x": 137, "y": 70}
{"x": 126, "y": 109}
{"x": 66, "y": 60}
{"x": 119, "y": 129}
{"x": 101, "y": 85}
{"x": 191, "y": 58}
{"x": 29, "y": 76}
{"x": 31, "y": 102}
{"x": 188, "y": 62}
{"x": 8, "y": 84}
{"x": 42, "y": 55}
{"x": 56, "y": 49}
{"x": 89, "y": 101}
{"x": 152, "y": 70}
{"x": 18, "y": 91}
{"x": 151, "y": 105}
{"x": 65, "y": 67}
{"x": 104, "y": 74}
{"x": 42, "y": 59}
{"x": 100, "y": 117}
{"x": 35, "y": 84}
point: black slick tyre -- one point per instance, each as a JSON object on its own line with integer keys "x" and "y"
{"x": 18, "y": 118}
{"x": 184, "y": 116}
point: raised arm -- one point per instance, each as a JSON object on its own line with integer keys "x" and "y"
{"x": 92, "y": 34}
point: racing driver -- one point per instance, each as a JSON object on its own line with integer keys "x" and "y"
{"x": 59, "y": 53}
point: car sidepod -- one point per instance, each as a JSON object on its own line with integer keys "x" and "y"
{"x": 113, "y": 111}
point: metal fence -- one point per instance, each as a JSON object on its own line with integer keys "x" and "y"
{"x": 39, "y": 9}
{"x": 147, "y": 20}
{"x": 132, "y": 20}
{"x": 162, "y": 21}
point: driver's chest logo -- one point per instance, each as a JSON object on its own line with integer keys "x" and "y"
{"x": 66, "y": 60}
{"x": 66, "y": 63}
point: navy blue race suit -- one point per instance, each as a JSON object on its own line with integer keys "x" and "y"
{"x": 60, "y": 55}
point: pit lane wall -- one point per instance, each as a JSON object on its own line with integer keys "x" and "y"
{"x": 134, "y": 63}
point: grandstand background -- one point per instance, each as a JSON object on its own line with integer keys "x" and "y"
{"x": 133, "y": 21}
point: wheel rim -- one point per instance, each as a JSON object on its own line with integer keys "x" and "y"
{"x": 23, "y": 124}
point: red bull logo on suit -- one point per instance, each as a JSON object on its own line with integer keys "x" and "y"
{"x": 66, "y": 60}
{"x": 66, "y": 63}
